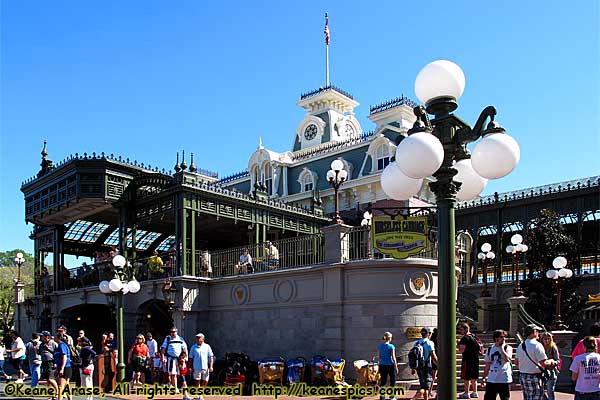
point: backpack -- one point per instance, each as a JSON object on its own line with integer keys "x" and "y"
{"x": 75, "y": 357}
{"x": 477, "y": 342}
{"x": 416, "y": 358}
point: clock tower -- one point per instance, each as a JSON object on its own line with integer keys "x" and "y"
{"x": 329, "y": 118}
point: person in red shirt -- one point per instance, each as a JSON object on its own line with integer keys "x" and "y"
{"x": 579, "y": 349}
{"x": 138, "y": 356}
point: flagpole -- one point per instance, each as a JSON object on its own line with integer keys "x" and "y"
{"x": 326, "y": 50}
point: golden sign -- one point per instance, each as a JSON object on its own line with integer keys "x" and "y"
{"x": 400, "y": 237}
{"x": 413, "y": 332}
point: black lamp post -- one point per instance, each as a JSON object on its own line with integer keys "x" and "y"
{"x": 486, "y": 255}
{"x": 19, "y": 261}
{"x": 517, "y": 247}
{"x": 559, "y": 274}
{"x": 438, "y": 147}
{"x": 336, "y": 176}
{"x": 114, "y": 291}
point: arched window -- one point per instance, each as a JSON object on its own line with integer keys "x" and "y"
{"x": 307, "y": 182}
{"x": 382, "y": 155}
{"x": 268, "y": 181}
{"x": 255, "y": 173}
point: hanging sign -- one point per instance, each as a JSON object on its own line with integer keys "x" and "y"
{"x": 399, "y": 237}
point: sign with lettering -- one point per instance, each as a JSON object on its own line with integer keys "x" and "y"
{"x": 414, "y": 332}
{"x": 399, "y": 237}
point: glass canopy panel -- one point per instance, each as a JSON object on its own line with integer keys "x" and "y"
{"x": 94, "y": 231}
{"x": 147, "y": 240}
{"x": 166, "y": 244}
{"x": 76, "y": 229}
{"x": 138, "y": 235}
{"x": 113, "y": 239}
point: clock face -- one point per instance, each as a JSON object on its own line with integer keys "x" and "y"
{"x": 349, "y": 129}
{"x": 310, "y": 132}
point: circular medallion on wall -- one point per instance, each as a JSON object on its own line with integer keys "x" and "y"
{"x": 283, "y": 290}
{"x": 419, "y": 284}
{"x": 239, "y": 294}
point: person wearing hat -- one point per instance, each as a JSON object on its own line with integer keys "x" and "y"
{"x": 425, "y": 374}
{"x": 201, "y": 361}
{"x": 171, "y": 350}
{"x": 62, "y": 329}
{"x": 531, "y": 359}
{"x": 46, "y": 350}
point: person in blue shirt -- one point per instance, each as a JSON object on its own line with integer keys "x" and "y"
{"x": 172, "y": 350}
{"x": 387, "y": 362}
{"x": 62, "y": 362}
{"x": 425, "y": 374}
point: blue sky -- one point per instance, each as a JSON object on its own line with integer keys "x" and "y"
{"x": 145, "y": 79}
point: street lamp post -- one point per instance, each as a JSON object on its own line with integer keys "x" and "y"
{"x": 19, "y": 261}
{"x": 118, "y": 286}
{"x": 559, "y": 274}
{"x": 515, "y": 249}
{"x": 438, "y": 147}
{"x": 336, "y": 176}
{"x": 485, "y": 255}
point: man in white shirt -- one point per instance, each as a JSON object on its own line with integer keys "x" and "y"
{"x": 154, "y": 355}
{"x": 201, "y": 360}
{"x": 498, "y": 369}
{"x": 531, "y": 359}
{"x": 17, "y": 350}
{"x": 172, "y": 349}
{"x": 271, "y": 255}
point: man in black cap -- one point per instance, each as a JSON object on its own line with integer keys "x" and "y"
{"x": 62, "y": 329}
{"x": 531, "y": 359}
{"x": 46, "y": 350}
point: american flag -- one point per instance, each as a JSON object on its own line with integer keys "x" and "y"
{"x": 326, "y": 30}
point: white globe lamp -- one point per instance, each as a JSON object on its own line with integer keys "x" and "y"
{"x": 441, "y": 78}
{"x": 398, "y": 186}
{"x": 495, "y": 156}
{"x": 471, "y": 183}
{"x": 419, "y": 155}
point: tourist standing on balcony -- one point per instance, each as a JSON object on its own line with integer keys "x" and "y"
{"x": 531, "y": 360}
{"x": 585, "y": 370}
{"x": 272, "y": 255}
{"x": 245, "y": 264}
{"x": 17, "y": 350}
{"x": 387, "y": 361}
{"x": 469, "y": 371}
{"x": 552, "y": 353}
{"x": 155, "y": 265}
{"x": 205, "y": 264}
{"x": 171, "y": 350}
{"x": 579, "y": 348}
{"x": 498, "y": 371}
{"x": 34, "y": 358}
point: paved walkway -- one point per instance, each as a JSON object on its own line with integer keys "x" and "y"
{"x": 515, "y": 395}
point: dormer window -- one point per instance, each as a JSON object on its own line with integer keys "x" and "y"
{"x": 268, "y": 178}
{"x": 382, "y": 155}
{"x": 307, "y": 183}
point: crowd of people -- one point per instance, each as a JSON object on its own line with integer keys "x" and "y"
{"x": 58, "y": 360}
{"x": 537, "y": 358}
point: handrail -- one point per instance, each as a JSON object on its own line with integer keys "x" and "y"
{"x": 528, "y": 319}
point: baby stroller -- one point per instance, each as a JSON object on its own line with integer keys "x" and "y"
{"x": 336, "y": 373}
{"x": 367, "y": 373}
{"x": 320, "y": 370}
{"x": 236, "y": 368}
{"x": 270, "y": 370}
{"x": 296, "y": 368}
